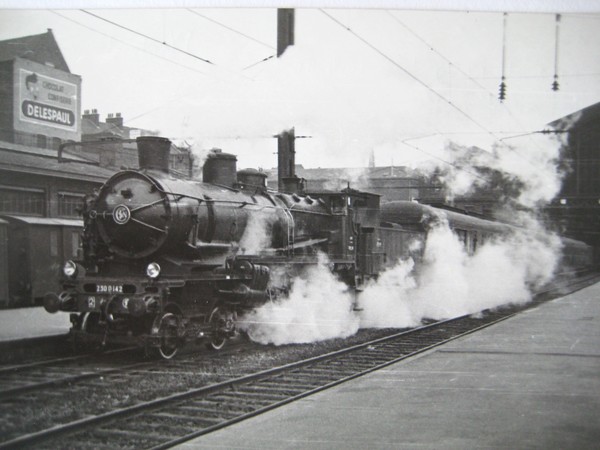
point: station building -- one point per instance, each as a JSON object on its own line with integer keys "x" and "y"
{"x": 45, "y": 171}
{"x": 576, "y": 210}
{"x": 40, "y": 110}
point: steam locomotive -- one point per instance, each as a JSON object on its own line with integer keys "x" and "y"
{"x": 169, "y": 260}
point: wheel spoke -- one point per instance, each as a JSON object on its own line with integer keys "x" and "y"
{"x": 217, "y": 319}
{"x": 167, "y": 332}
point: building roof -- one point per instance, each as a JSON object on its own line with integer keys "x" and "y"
{"x": 578, "y": 118}
{"x": 356, "y": 172}
{"x": 30, "y": 220}
{"x": 44, "y": 163}
{"x": 91, "y": 130}
{"x": 350, "y": 173}
{"x": 42, "y": 152}
{"x": 40, "y": 48}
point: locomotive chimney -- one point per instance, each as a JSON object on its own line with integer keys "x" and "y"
{"x": 220, "y": 168}
{"x": 153, "y": 153}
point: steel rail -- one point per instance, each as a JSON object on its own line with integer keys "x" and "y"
{"x": 67, "y": 359}
{"x": 67, "y": 380}
{"x": 39, "y": 436}
{"x": 226, "y": 390}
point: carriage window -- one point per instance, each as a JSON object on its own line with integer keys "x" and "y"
{"x": 337, "y": 204}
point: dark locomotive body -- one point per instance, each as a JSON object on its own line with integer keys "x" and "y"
{"x": 168, "y": 260}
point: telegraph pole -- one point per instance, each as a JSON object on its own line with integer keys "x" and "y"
{"x": 286, "y": 141}
{"x": 285, "y": 29}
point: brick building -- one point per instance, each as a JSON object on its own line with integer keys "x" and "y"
{"x": 45, "y": 171}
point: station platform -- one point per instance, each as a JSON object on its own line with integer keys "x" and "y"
{"x": 529, "y": 382}
{"x": 35, "y": 322}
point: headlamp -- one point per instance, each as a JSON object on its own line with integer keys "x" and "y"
{"x": 70, "y": 269}
{"x": 153, "y": 270}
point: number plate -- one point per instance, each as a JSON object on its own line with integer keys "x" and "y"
{"x": 109, "y": 289}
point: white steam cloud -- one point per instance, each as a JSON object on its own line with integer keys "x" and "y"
{"x": 257, "y": 235}
{"x": 318, "y": 307}
{"x": 447, "y": 283}
{"x": 529, "y": 177}
{"x": 451, "y": 283}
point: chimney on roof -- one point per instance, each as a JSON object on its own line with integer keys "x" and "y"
{"x": 116, "y": 120}
{"x": 93, "y": 116}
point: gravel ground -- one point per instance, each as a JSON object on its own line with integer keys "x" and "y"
{"x": 32, "y": 412}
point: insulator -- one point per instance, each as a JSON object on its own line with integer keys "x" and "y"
{"x": 502, "y": 94}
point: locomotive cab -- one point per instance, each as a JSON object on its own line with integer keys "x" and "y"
{"x": 356, "y": 248}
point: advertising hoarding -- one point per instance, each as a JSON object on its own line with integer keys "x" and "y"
{"x": 47, "y": 101}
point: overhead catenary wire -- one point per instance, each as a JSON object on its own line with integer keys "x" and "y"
{"x": 265, "y": 59}
{"x": 411, "y": 31}
{"x": 148, "y": 37}
{"x": 563, "y": 75}
{"x": 126, "y": 43}
{"x": 231, "y": 29}
{"x": 555, "y": 85}
{"x": 502, "y": 94}
{"x": 223, "y": 69}
{"x": 140, "y": 49}
{"x": 130, "y": 119}
{"x": 431, "y": 47}
{"x": 407, "y": 72}
{"x": 593, "y": 16}
{"x": 259, "y": 62}
{"x": 422, "y": 83}
{"x": 456, "y": 166}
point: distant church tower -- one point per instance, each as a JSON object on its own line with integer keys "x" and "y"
{"x": 372, "y": 159}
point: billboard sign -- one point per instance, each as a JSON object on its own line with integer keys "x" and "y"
{"x": 47, "y": 101}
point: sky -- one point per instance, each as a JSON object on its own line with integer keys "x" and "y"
{"x": 396, "y": 83}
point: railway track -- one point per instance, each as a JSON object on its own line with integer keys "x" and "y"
{"x": 67, "y": 371}
{"x": 35, "y": 376}
{"x": 164, "y": 421}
